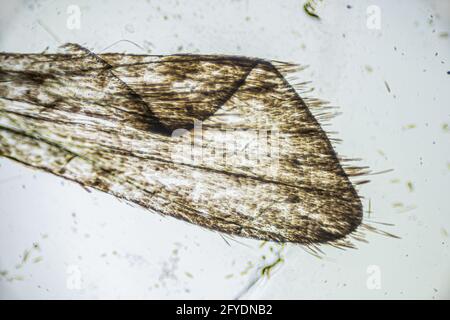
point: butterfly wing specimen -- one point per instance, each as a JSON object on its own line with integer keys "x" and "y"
{"x": 223, "y": 142}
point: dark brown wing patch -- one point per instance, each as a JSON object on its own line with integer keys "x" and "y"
{"x": 175, "y": 87}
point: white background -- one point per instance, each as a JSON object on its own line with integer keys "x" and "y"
{"x": 91, "y": 245}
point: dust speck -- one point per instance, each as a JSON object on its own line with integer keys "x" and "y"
{"x": 409, "y": 126}
{"x": 410, "y": 186}
{"x": 129, "y": 28}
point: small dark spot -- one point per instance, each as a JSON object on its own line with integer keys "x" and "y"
{"x": 190, "y": 110}
{"x": 293, "y": 198}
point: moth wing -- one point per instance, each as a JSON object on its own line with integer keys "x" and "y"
{"x": 260, "y": 165}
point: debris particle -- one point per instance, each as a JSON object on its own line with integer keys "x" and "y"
{"x": 369, "y": 210}
{"x": 387, "y": 86}
{"x": 409, "y": 126}
{"x": 266, "y": 270}
{"x": 38, "y": 259}
{"x": 402, "y": 208}
{"x": 26, "y": 255}
{"x": 410, "y": 186}
{"x": 310, "y": 8}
